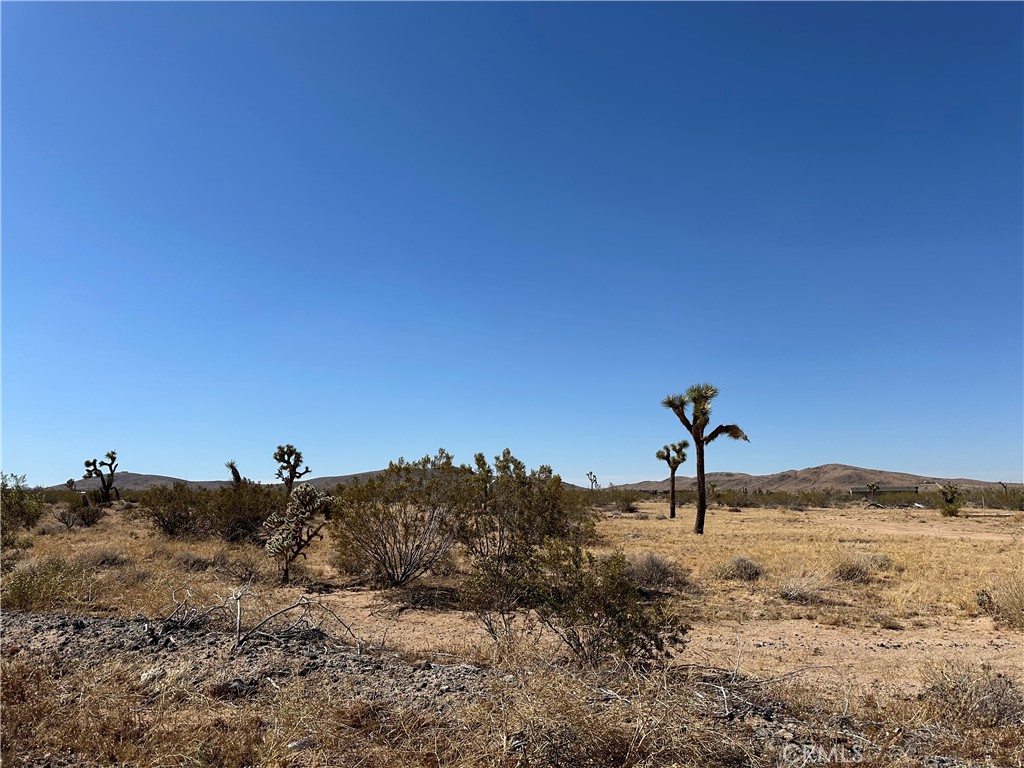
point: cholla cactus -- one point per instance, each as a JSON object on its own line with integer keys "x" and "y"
{"x": 292, "y": 530}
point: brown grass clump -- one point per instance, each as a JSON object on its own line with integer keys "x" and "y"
{"x": 1007, "y": 598}
{"x": 971, "y": 695}
{"x": 806, "y": 589}
{"x": 741, "y": 569}
{"x": 856, "y": 570}
{"x": 47, "y": 583}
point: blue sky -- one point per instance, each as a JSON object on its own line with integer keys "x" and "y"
{"x": 372, "y": 230}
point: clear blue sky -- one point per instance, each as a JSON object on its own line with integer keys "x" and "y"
{"x": 372, "y": 230}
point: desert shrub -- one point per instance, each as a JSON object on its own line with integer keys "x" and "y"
{"x": 90, "y": 515}
{"x": 291, "y": 531}
{"x": 958, "y": 693}
{"x": 192, "y": 562}
{"x": 18, "y": 508}
{"x": 103, "y": 557}
{"x": 742, "y": 569}
{"x": 654, "y": 573}
{"x": 853, "y": 569}
{"x": 1005, "y": 601}
{"x": 401, "y": 522}
{"x": 237, "y": 513}
{"x": 498, "y": 591}
{"x": 806, "y": 589}
{"x": 176, "y": 511}
{"x": 509, "y": 513}
{"x": 511, "y": 510}
{"x": 66, "y": 513}
{"x": 597, "y": 610}
{"x": 38, "y": 585}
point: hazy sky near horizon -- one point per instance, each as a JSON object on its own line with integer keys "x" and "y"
{"x": 373, "y": 230}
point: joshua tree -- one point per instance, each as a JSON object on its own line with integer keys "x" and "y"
{"x": 673, "y": 455}
{"x": 593, "y": 480}
{"x": 236, "y": 476}
{"x": 94, "y": 468}
{"x": 872, "y": 490}
{"x": 290, "y": 460}
{"x": 70, "y": 483}
{"x": 699, "y": 398}
{"x": 951, "y": 496}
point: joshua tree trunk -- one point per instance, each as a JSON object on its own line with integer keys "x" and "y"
{"x": 702, "y": 492}
{"x": 672, "y": 493}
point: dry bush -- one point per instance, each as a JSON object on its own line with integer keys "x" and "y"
{"x": 653, "y": 573}
{"x": 1005, "y": 601}
{"x": 102, "y": 557}
{"x": 47, "y": 583}
{"x": 539, "y": 715}
{"x": 962, "y": 694}
{"x": 855, "y": 569}
{"x": 741, "y": 569}
{"x": 806, "y": 589}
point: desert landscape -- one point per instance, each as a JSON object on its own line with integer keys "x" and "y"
{"x": 856, "y": 632}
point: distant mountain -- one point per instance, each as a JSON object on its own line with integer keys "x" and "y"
{"x": 826, "y": 476}
{"x": 133, "y": 481}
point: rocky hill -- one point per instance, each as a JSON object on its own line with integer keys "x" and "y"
{"x": 826, "y": 476}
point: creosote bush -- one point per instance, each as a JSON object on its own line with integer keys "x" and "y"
{"x": 18, "y": 509}
{"x": 597, "y": 610}
{"x": 400, "y": 523}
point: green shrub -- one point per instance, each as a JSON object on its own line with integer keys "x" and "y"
{"x": 238, "y": 513}
{"x": 18, "y": 508}
{"x": 597, "y": 610}
{"x": 178, "y": 511}
{"x": 401, "y": 522}
{"x": 511, "y": 510}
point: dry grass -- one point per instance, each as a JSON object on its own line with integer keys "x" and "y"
{"x": 864, "y": 577}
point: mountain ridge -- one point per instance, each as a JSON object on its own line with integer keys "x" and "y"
{"x": 841, "y": 476}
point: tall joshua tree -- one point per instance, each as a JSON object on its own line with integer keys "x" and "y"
{"x": 290, "y": 460}
{"x": 94, "y": 468}
{"x": 673, "y": 455}
{"x": 698, "y": 398}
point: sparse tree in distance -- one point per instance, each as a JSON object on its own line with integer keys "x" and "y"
{"x": 951, "y": 496}
{"x": 593, "y": 480}
{"x": 94, "y": 468}
{"x": 290, "y": 460}
{"x": 673, "y": 455}
{"x": 70, "y": 483}
{"x": 698, "y": 398}
{"x": 872, "y": 490}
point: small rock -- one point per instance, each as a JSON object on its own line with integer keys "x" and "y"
{"x": 422, "y": 664}
{"x": 151, "y": 675}
{"x": 784, "y": 735}
{"x": 307, "y": 743}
